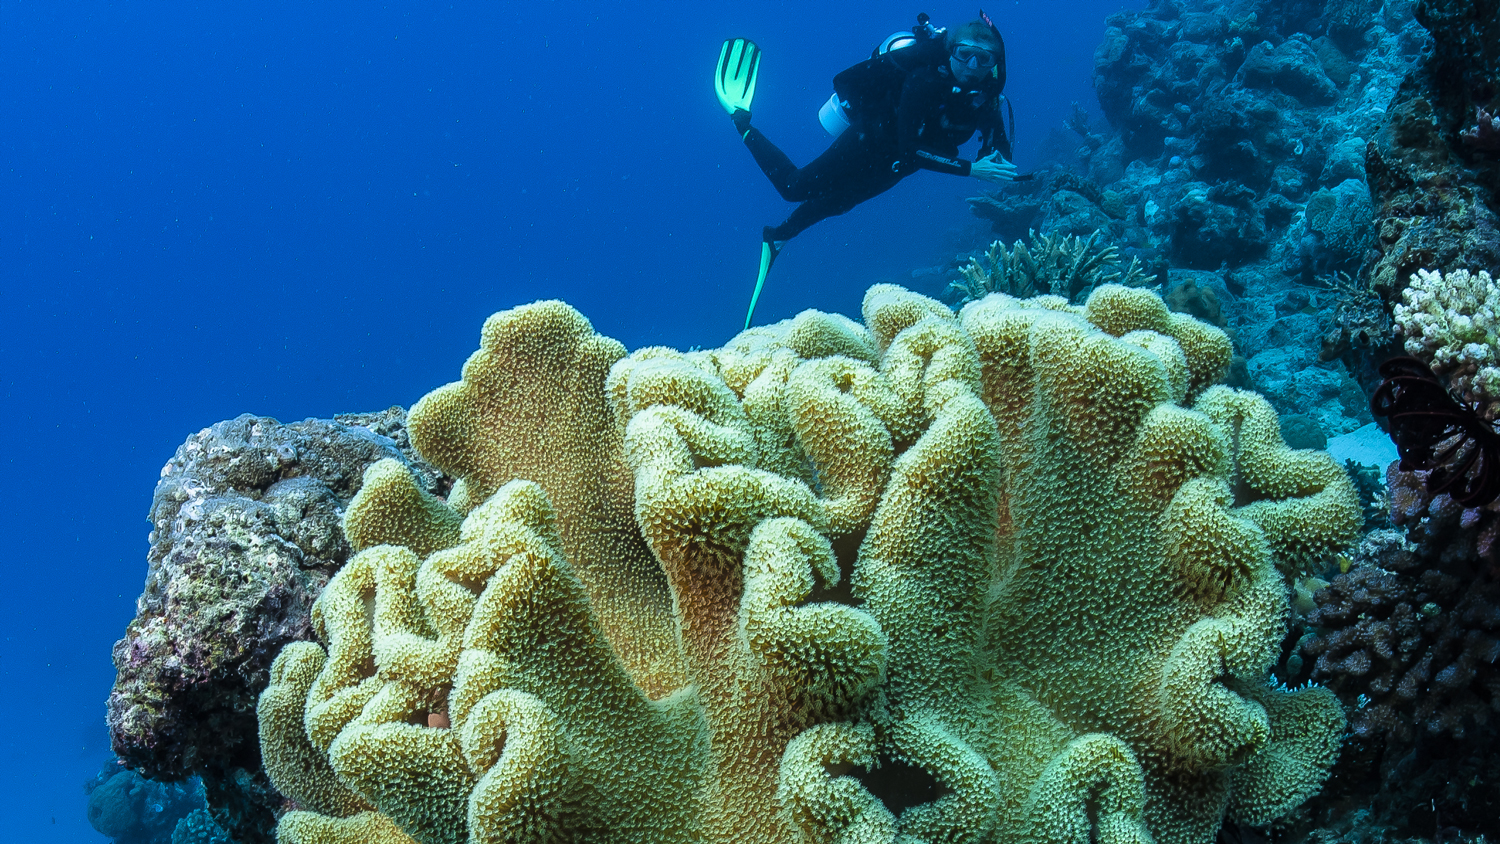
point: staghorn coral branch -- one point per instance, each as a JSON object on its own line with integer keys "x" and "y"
{"x": 1065, "y": 266}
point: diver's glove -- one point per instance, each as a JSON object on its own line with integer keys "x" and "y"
{"x": 993, "y": 168}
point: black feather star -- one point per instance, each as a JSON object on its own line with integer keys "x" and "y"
{"x": 1435, "y": 432}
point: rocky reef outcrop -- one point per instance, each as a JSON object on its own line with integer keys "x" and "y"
{"x": 1434, "y": 165}
{"x": 245, "y": 534}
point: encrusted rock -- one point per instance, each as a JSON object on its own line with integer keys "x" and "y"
{"x": 245, "y": 534}
{"x": 1292, "y": 68}
{"x": 1434, "y": 190}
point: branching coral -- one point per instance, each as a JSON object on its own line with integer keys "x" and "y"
{"x": 1068, "y": 266}
{"x": 1409, "y": 636}
{"x": 1023, "y": 557}
{"x": 1452, "y": 321}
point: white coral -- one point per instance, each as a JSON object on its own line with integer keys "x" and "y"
{"x": 1453, "y": 321}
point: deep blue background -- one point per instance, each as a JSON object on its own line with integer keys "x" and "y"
{"x": 300, "y": 209}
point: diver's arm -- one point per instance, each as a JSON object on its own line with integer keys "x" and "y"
{"x": 993, "y": 164}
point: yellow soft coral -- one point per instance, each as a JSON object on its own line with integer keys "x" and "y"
{"x": 532, "y": 405}
{"x": 391, "y": 509}
{"x": 1009, "y": 575}
{"x": 545, "y": 734}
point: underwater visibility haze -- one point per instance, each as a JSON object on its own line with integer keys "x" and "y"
{"x": 1129, "y": 477}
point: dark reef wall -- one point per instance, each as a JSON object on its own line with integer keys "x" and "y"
{"x": 1433, "y": 165}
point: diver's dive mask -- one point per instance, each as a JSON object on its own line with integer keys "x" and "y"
{"x": 973, "y": 56}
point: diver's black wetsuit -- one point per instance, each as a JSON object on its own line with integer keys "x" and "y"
{"x": 922, "y": 132}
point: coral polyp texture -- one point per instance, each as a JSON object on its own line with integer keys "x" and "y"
{"x": 1013, "y": 574}
{"x": 1452, "y": 320}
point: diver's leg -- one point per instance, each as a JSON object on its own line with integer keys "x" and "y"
{"x": 839, "y": 179}
{"x": 803, "y": 217}
{"x": 774, "y": 163}
{"x": 842, "y": 162}
{"x": 836, "y": 185}
{"x": 773, "y": 238}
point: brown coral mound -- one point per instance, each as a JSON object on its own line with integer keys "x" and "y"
{"x": 245, "y": 534}
{"x": 1409, "y": 638}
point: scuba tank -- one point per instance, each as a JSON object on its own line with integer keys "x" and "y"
{"x": 834, "y": 116}
{"x": 834, "y": 113}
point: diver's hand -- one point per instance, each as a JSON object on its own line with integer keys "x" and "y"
{"x": 993, "y": 168}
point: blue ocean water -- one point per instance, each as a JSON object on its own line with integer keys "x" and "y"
{"x": 302, "y": 209}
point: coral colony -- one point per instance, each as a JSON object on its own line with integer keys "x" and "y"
{"x": 1046, "y": 548}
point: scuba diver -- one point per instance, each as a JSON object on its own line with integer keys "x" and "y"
{"x": 908, "y": 108}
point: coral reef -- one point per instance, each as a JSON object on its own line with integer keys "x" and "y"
{"x": 1006, "y": 575}
{"x": 1414, "y": 646}
{"x": 1012, "y": 214}
{"x": 1201, "y": 303}
{"x": 129, "y": 809}
{"x": 1411, "y": 631}
{"x": 1078, "y": 122}
{"x": 1484, "y": 135}
{"x": 753, "y": 578}
{"x": 1338, "y": 223}
{"x": 1293, "y": 68}
{"x": 1061, "y": 203}
{"x": 199, "y": 828}
{"x": 245, "y": 534}
{"x": 1446, "y": 532}
{"x": 1358, "y": 319}
{"x": 1215, "y": 226}
{"x": 1434, "y": 183}
{"x": 1431, "y": 174}
{"x": 1054, "y": 265}
{"x": 1237, "y": 155}
{"x": 1237, "y": 149}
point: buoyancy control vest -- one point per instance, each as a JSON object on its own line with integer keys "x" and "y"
{"x": 867, "y": 94}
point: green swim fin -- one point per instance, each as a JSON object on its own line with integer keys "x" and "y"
{"x": 734, "y": 81}
{"x": 769, "y": 249}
